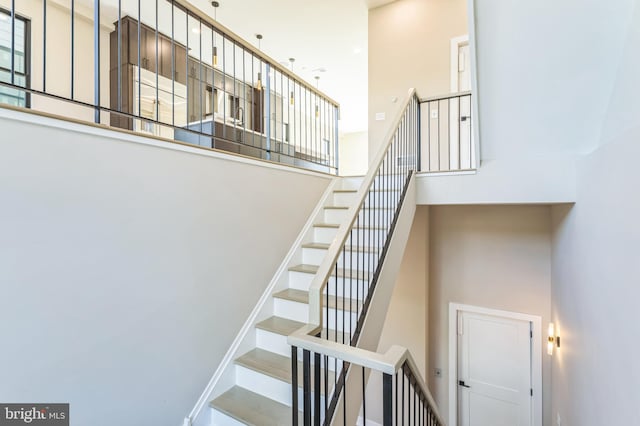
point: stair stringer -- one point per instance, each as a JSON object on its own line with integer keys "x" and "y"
{"x": 224, "y": 376}
{"x": 377, "y": 313}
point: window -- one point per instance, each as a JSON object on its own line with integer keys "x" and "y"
{"x": 21, "y": 59}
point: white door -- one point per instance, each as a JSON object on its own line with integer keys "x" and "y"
{"x": 494, "y": 371}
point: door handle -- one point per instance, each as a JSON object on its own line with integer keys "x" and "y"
{"x": 463, "y": 384}
{"x": 464, "y": 118}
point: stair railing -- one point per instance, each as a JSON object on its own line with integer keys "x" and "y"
{"x": 347, "y": 278}
{"x": 405, "y": 397}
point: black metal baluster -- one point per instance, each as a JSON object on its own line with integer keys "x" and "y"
{"x": 140, "y": 59}
{"x": 396, "y": 393}
{"x": 294, "y": 385}
{"x": 326, "y": 383}
{"x": 351, "y": 286}
{"x": 316, "y": 389}
{"x": 306, "y": 385}
{"x": 73, "y": 56}
{"x": 44, "y": 46}
{"x": 403, "y": 375}
{"x": 224, "y": 88}
{"x": 158, "y": 71}
{"x": 364, "y": 399}
{"x": 173, "y": 65}
{"x": 96, "y": 59}
{"x": 387, "y": 400}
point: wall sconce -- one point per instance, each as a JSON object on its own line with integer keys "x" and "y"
{"x": 552, "y": 339}
{"x": 215, "y": 56}
{"x": 259, "y": 83}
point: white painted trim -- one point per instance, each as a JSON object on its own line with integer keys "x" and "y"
{"x": 449, "y": 173}
{"x": 456, "y": 42}
{"x": 266, "y": 296}
{"x": 46, "y": 120}
{"x": 536, "y": 356}
{"x": 475, "y": 122}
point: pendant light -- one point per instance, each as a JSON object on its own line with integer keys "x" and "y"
{"x": 259, "y": 82}
{"x": 215, "y": 5}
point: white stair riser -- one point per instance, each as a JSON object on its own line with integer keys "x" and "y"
{"x": 273, "y": 342}
{"x": 344, "y": 198}
{"x": 300, "y": 312}
{"x": 357, "y": 261}
{"x": 264, "y": 385}
{"x": 353, "y": 260}
{"x": 313, "y": 256}
{"x": 302, "y": 281}
{"x": 221, "y": 419}
{"x": 368, "y": 218}
{"x": 277, "y": 343}
{"x": 270, "y": 387}
{"x": 324, "y": 235}
{"x": 335, "y": 215}
{"x": 368, "y": 237}
{"x": 383, "y": 199}
{"x": 351, "y": 182}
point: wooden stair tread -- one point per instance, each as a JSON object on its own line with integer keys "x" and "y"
{"x": 276, "y": 366}
{"x": 301, "y": 296}
{"x": 278, "y": 325}
{"x": 251, "y": 408}
{"x": 325, "y": 246}
{"x": 326, "y": 225}
{"x": 342, "y": 273}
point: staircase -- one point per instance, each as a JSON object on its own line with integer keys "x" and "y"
{"x": 261, "y": 392}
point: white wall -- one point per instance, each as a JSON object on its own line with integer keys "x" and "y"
{"x": 353, "y": 148}
{"x": 409, "y": 46}
{"x": 596, "y": 269}
{"x": 128, "y": 269}
{"x": 545, "y": 74}
{"x": 496, "y": 257}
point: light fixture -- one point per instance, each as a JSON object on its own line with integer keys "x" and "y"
{"x": 552, "y": 339}
{"x": 215, "y": 5}
{"x": 259, "y": 82}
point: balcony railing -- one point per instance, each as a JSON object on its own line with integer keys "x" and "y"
{"x": 166, "y": 69}
{"x": 447, "y": 135}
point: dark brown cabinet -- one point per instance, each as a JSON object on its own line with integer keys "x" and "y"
{"x": 171, "y": 57}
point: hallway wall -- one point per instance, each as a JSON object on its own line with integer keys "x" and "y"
{"x": 496, "y": 257}
{"x": 128, "y": 265}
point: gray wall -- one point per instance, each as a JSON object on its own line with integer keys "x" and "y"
{"x": 496, "y": 257}
{"x": 596, "y": 266}
{"x": 126, "y": 270}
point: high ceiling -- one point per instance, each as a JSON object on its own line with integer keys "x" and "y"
{"x": 327, "y": 38}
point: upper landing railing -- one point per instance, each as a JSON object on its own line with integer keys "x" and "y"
{"x": 162, "y": 68}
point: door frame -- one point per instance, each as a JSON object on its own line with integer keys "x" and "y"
{"x": 456, "y": 42}
{"x": 536, "y": 356}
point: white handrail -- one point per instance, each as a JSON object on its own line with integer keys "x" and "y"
{"x": 326, "y": 268}
{"x": 387, "y": 363}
